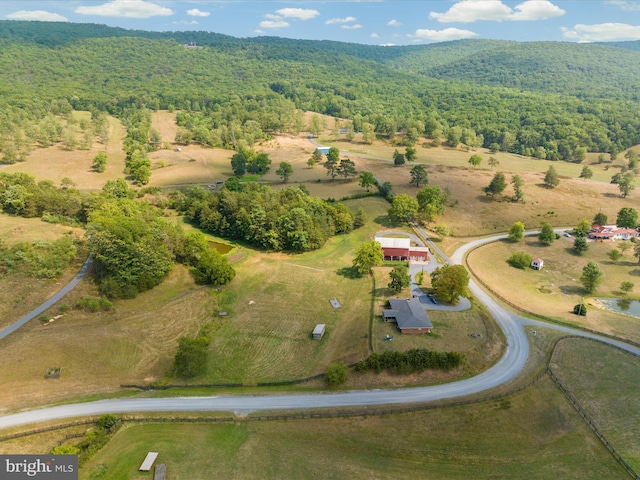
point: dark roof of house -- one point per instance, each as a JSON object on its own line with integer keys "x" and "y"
{"x": 408, "y": 313}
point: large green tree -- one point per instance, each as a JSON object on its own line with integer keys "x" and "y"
{"x": 475, "y": 160}
{"x": 591, "y": 277}
{"x": 626, "y": 184}
{"x": 284, "y": 171}
{"x": 516, "y": 232}
{"x": 551, "y": 178}
{"x": 450, "y": 282}
{"x": 419, "y": 175}
{"x": 627, "y": 218}
{"x": 518, "y": 193}
{"x": 431, "y": 202}
{"x": 400, "y": 278}
{"x": 547, "y": 235}
{"x": 403, "y": 208}
{"x": 497, "y": 185}
{"x": 367, "y": 180}
{"x": 368, "y": 255}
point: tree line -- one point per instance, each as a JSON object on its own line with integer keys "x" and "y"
{"x": 275, "y": 220}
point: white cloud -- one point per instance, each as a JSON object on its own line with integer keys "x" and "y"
{"x": 331, "y": 21}
{"x": 186, "y": 22}
{"x": 299, "y": 13}
{"x": 394, "y": 23}
{"x": 441, "y": 35}
{"x": 194, "y": 12}
{"x": 355, "y": 26}
{"x": 259, "y": 31}
{"x": 467, "y": 11}
{"x": 272, "y": 16}
{"x": 626, "y": 5}
{"x": 39, "y": 15}
{"x": 602, "y": 32}
{"x": 274, "y": 24}
{"x": 387, "y": 45}
{"x": 375, "y": 35}
{"x": 536, "y": 10}
{"x": 126, "y": 9}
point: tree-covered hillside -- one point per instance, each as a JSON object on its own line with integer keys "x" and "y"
{"x": 550, "y": 100}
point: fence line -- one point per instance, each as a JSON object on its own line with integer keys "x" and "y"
{"x": 592, "y": 425}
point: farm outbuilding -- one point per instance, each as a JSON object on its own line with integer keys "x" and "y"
{"x": 318, "y": 332}
{"x": 324, "y": 150}
{"x": 537, "y": 263}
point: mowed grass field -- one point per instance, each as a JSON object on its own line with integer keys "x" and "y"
{"x": 535, "y": 434}
{"x": 579, "y": 364}
{"x": 554, "y": 290}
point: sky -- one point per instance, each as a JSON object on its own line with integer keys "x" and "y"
{"x": 374, "y": 22}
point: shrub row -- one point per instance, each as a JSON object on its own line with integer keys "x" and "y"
{"x": 414, "y": 360}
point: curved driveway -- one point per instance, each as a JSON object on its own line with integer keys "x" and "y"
{"x": 506, "y": 369}
{"x": 49, "y": 303}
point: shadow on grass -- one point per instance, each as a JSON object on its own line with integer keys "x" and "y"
{"x": 386, "y": 222}
{"x": 635, "y": 273}
{"x": 349, "y": 272}
{"x": 571, "y": 289}
{"x": 382, "y": 292}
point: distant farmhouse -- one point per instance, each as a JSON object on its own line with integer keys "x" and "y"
{"x": 401, "y": 249}
{"x": 603, "y": 233}
{"x": 408, "y": 314}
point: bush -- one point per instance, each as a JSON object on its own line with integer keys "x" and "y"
{"x": 580, "y": 309}
{"x": 336, "y": 374}
{"x": 92, "y": 304}
{"x": 520, "y": 260}
{"x": 191, "y": 357}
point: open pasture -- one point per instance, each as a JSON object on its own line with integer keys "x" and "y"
{"x": 555, "y": 289}
{"x": 532, "y": 434}
{"x": 55, "y": 163}
{"x": 610, "y": 400}
{"x": 132, "y": 343}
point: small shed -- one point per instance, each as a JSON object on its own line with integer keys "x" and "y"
{"x": 537, "y": 263}
{"x": 318, "y": 332}
{"x": 148, "y": 461}
{"x": 324, "y": 150}
{"x": 160, "y": 472}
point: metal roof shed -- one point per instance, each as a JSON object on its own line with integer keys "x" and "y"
{"x": 318, "y": 332}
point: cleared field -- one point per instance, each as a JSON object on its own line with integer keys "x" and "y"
{"x": 55, "y": 163}
{"x": 610, "y": 397}
{"x": 134, "y": 342}
{"x": 278, "y": 302}
{"x": 534, "y": 434}
{"x": 557, "y": 288}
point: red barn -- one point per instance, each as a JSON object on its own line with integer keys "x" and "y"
{"x": 401, "y": 249}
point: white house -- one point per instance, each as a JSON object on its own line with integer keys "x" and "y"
{"x": 537, "y": 263}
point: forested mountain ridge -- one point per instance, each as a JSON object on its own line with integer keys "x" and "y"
{"x": 518, "y": 100}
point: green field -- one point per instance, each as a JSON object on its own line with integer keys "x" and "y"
{"x": 581, "y": 366}
{"x": 534, "y": 434}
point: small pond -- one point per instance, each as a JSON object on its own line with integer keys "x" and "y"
{"x": 621, "y": 305}
{"x": 221, "y": 248}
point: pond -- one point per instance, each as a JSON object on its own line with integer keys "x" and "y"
{"x": 221, "y": 248}
{"x": 625, "y": 306}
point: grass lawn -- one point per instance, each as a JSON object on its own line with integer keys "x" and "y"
{"x": 606, "y": 384}
{"x": 278, "y": 299}
{"x": 534, "y": 434}
{"x": 557, "y": 288}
